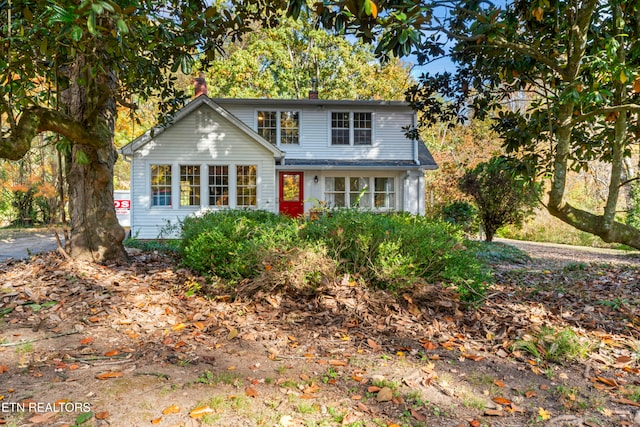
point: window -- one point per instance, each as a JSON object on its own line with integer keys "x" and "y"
{"x": 359, "y": 192}
{"x": 218, "y": 185}
{"x": 160, "y": 185}
{"x": 384, "y": 194}
{"x": 289, "y": 127}
{"x": 351, "y": 128}
{"x": 339, "y": 128}
{"x": 362, "y": 128}
{"x": 268, "y": 126}
{"x": 279, "y": 127}
{"x": 189, "y": 185}
{"x": 247, "y": 186}
{"x": 335, "y": 192}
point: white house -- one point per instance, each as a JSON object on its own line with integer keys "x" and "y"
{"x": 284, "y": 156}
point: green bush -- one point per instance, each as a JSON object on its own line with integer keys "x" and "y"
{"x": 390, "y": 251}
{"x": 393, "y": 251}
{"x": 460, "y": 213}
{"x": 231, "y": 244}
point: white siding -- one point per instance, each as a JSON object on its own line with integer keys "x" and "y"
{"x": 201, "y": 138}
{"x": 389, "y": 141}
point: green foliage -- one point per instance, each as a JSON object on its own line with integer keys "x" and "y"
{"x": 554, "y": 345}
{"x": 495, "y": 252}
{"x": 460, "y": 213}
{"x": 233, "y": 243}
{"x": 502, "y": 195}
{"x": 391, "y": 251}
{"x": 633, "y": 213}
{"x": 281, "y": 63}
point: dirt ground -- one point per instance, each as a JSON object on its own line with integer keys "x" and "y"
{"x": 138, "y": 345}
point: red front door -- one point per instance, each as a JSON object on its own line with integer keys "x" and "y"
{"x": 291, "y": 193}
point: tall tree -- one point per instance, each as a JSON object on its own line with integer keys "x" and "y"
{"x": 66, "y": 65}
{"x": 563, "y": 77}
{"x": 284, "y": 62}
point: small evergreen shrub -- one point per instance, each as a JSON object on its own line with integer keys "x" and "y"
{"x": 460, "y": 213}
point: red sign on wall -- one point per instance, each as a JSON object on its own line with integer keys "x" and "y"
{"x": 122, "y": 204}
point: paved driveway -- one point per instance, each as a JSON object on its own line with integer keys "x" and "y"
{"x": 20, "y": 244}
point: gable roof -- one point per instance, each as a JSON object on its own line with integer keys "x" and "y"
{"x": 192, "y": 106}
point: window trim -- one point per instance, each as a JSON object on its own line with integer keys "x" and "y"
{"x": 278, "y": 120}
{"x": 352, "y": 128}
{"x": 371, "y": 193}
{"x": 152, "y": 205}
{"x": 198, "y": 193}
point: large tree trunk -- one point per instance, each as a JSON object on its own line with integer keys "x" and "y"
{"x": 96, "y": 234}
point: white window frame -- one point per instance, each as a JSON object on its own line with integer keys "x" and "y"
{"x": 352, "y": 128}
{"x": 278, "y": 113}
{"x": 369, "y": 203}
{"x": 152, "y": 205}
{"x": 198, "y": 186}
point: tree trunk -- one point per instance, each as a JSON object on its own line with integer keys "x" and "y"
{"x": 95, "y": 234}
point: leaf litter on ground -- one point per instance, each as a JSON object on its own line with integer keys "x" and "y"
{"x": 143, "y": 330}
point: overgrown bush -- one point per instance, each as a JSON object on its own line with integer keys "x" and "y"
{"x": 394, "y": 251}
{"x": 390, "y": 251}
{"x": 233, "y": 243}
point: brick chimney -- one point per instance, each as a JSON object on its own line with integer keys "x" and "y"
{"x": 313, "y": 93}
{"x": 200, "y": 86}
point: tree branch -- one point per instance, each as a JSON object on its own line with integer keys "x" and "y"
{"x": 35, "y": 120}
{"x": 604, "y": 111}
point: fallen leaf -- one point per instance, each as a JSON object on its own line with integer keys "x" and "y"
{"x": 428, "y": 345}
{"x": 494, "y": 413}
{"x": 112, "y": 353}
{"x": 178, "y": 327}
{"x": 42, "y": 418}
{"x": 529, "y": 394}
{"x": 109, "y": 375}
{"x": 623, "y": 359}
{"x": 93, "y": 319}
{"x": 543, "y": 414}
{"x": 624, "y": 401}
{"x": 200, "y": 411}
{"x": 310, "y": 389}
{"x": 474, "y": 357}
{"x": 199, "y": 325}
{"x": 337, "y": 363}
{"x": 102, "y": 415}
{"x": 606, "y": 381}
{"x": 474, "y": 423}
{"x": 418, "y": 416}
{"x": 502, "y": 401}
{"x": 3, "y": 369}
{"x": 87, "y": 340}
{"x": 173, "y": 409}
{"x": 156, "y": 420}
{"x": 233, "y": 332}
{"x": 375, "y": 346}
{"x": 251, "y": 392}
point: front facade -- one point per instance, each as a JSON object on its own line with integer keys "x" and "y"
{"x": 287, "y": 156}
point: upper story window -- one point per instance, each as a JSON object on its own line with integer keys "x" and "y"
{"x": 351, "y": 128}
{"x": 279, "y": 127}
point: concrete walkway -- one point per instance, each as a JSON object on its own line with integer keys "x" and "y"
{"x": 22, "y": 244}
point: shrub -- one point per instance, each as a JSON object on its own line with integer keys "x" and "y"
{"x": 501, "y": 194}
{"x": 460, "y": 213}
{"x": 231, "y": 244}
{"x": 390, "y": 251}
{"x": 394, "y": 251}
